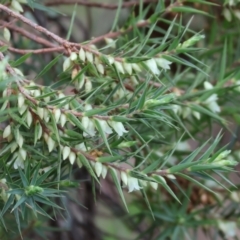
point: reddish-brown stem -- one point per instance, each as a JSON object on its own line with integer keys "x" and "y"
{"x": 27, "y": 34}
{"x": 34, "y": 51}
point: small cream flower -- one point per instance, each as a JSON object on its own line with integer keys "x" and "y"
{"x": 132, "y": 184}
{"x": 152, "y": 66}
{"x": 118, "y": 127}
{"x": 104, "y": 126}
{"x": 163, "y": 63}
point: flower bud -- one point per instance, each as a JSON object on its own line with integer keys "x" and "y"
{"x": 98, "y": 168}
{"x": 72, "y": 157}
{"x": 124, "y": 178}
{"x": 154, "y": 185}
{"x": 40, "y": 112}
{"x": 82, "y": 55}
{"x": 14, "y": 146}
{"x": 73, "y": 56}
{"x": 22, "y": 153}
{"x": 66, "y": 64}
{"x": 104, "y": 171}
{"x": 6, "y": 34}
{"x": 29, "y": 118}
{"x": 110, "y": 60}
{"x": 66, "y": 151}
{"x": 21, "y": 100}
{"x": 110, "y": 42}
{"x": 88, "y": 86}
{"x": 89, "y": 57}
{"x": 119, "y": 66}
{"x": 74, "y": 73}
{"x": 63, "y": 119}
{"x": 100, "y": 68}
{"x": 152, "y": 66}
{"x": 40, "y": 131}
{"x": 16, "y": 6}
{"x": 19, "y": 140}
{"x": 57, "y": 114}
{"x": 136, "y": 67}
{"x": 50, "y": 144}
{"x": 7, "y": 131}
{"x": 222, "y": 155}
{"x": 22, "y": 109}
{"x": 128, "y": 67}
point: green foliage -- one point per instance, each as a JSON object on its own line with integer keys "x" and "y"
{"x": 139, "y": 111}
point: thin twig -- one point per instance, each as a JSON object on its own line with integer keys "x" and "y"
{"x": 34, "y": 51}
{"x": 98, "y": 5}
{"x": 27, "y": 34}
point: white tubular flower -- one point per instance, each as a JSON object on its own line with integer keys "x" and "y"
{"x": 105, "y": 126}
{"x": 74, "y": 73}
{"x": 73, "y": 56}
{"x": 40, "y": 112}
{"x": 19, "y": 162}
{"x": 20, "y": 140}
{"x": 89, "y": 57}
{"x": 171, "y": 176}
{"x": 82, "y": 55}
{"x": 128, "y": 67}
{"x": 98, "y": 168}
{"x": 6, "y": 34}
{"x": 110, "y": 60}
{"x": 29, "y": 118}
{"x": 110, "y": 42}
{"x": 186, "y": 112}
{"x": 66, "y": 151}
{"x": 66, "y": 64}
{"x": 88, "y": 123}
{"x": 63, "y": 119}
{"x": 22, "y": 109}
{"x": 40, "y": 132}
{"x": 14, "y": 147}
{"x": 81, "y": 146}
{"x": 132, "y": 184}
{"x": 57, "y": 114}
{"x": 72, "y": 157}
{"x": 163, "y": 63}
{"x": 136, "y": 67}
{"x": 119, "y": 66}
{"x": 7, "y": 131}
{"x": 16, "y": 6}
{"x": 211, "y": 103}
{"x": 104, "y": 171}
{"x": 22, "y": 152}
{"x": 124, "y": 178}
{"x": 152, "y": 66}
{"x": 21, "y": 100}
{"x": 207, "y": 85}
{"x": 177, "y": 109}
{"x": 143, "y": 183}
{"x": 88, "y": 86}
{"x": 89, "y": 126}
{"x": 100, "y": 68}
{"x": 118, "y": 127}
{"x": 196, "y": 114}
{"x": 80, "y": 82}
{"x": 36, "y": 93}
{"x": 154, "y": 185}
{"x": 50, "y": 144}
{"x": 228, "y": 228}
{"x": 46, "y": 115}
